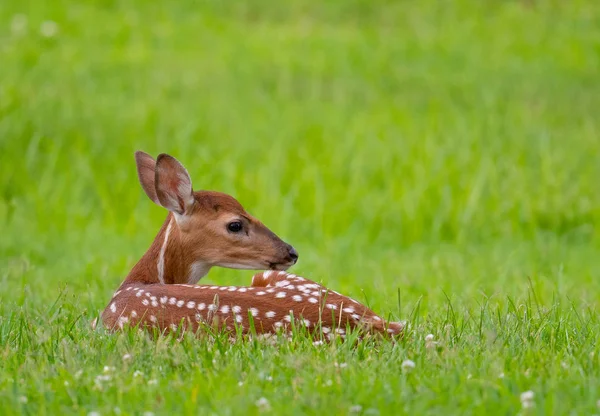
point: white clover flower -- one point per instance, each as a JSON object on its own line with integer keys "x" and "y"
{"x": 49, "y": 29}
{"x": 263, "y": 404}
{"x": 527, "y": 399}
{"x": 93, "y": 414}
{"x": 408, "y": 365}
{"x": 23, "y": 399}
{"x": 429, "y": 337}
{"x": 501, "y": 375}
{"x": 18, "y": 24}
{"x": 138, "y": 373}
{"x": 148, "y": 414}
{"x": 527, "y": 396}
{"x": 108, "y": 369}
{"x": 152, "y": 382}
{"x": 356, "y": 408}
{"x": 127, "y": 357}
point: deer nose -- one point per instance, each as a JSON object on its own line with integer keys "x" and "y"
{"x": 293, "y": 254}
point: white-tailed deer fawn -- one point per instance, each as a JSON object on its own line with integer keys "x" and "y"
{"x": 206, "y": 229}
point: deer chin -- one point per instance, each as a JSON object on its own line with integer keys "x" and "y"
{"x": 281, "y": 266}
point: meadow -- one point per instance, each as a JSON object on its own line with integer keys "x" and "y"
{"x": 439, "y": 161}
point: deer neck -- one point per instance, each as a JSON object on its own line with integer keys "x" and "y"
{"x": 165, "y": 261}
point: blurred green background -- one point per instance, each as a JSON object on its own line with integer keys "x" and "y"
{"x": 438, "y": 149}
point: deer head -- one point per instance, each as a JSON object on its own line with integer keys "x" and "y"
{"x": 204, "y": 228}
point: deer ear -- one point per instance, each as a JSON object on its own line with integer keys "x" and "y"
{"x": 145, "y": 170}
{"x": 173, "y": 185}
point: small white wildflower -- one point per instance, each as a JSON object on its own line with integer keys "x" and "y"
{"x": 340, "y": 365}
{"x": 240, "y": 383}
{"x": 263, "y": 404}
{"x": 408, "y": 365}
{"x": 598, "y": 404}
{"x": 108, "y": 369}
{"x": 318, "y": 343}
{"x": 138, "y": 373}
{"x": 329, "y": 383}
{"x": 429, "y": 341}
{"x": 78, "y": 374}
{"x": 356, "y": 408}
{"x": 117, "y": 410}
{"x": 469, "y": 376}
{"x": 23, "y": 399}
{"x": 564, "y": 365}
{"x": 66, "y": 383}
{"x": 527, "y": 399}
{"x": 501, "y": 375}
{"x": 527, "y": 396}
{"x": 18, "y": 24}
{"x": 152, "y": 382}
{"x": 93, "y": 414}
{"x": 127, "y": 357}
{"x": 49, "y": 29}
{"x": 148, "y": 414}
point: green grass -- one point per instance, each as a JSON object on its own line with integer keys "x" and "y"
{"x": 436, "y": 160}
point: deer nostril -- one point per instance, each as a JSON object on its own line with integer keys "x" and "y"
{"x": 293, "y": 253}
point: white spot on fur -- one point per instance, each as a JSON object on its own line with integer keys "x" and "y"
{"x": 113, "y": 307}
{"x": 225, "y": 309}
{"x": 260, "y": 293}
{"x": 153, "y": 318}
{"x": 326, "y": 330}
{"x": 180, "y": 303}
{"x": 201, "y": 306}
{"x": 239, "y": 318}
{"x": 313, "y": 300}
{"x": 164, "y": 299}
{"x": 278, "y": 324}
{"x": 331, "y": 306}
{"x": 133, "y": 314}
{"x": 280, "y": 295}
{"x": 253, "y": 311}
{"x": 270, "y": 314}
{"x": 297, "y": 298}
{"x": 154, "y": 303}
{"x": 242, "y": 289}
{"x": 191, "y": 304}
{"x": 140, "y": 293}
{"x": 161, "y": 257}
{"x": 282, "y": 283}
{"x": 172, "y": 301}
{"x": 348, "y": 310}
{"x": 145, "y": 302}
{"x": 267, "y": 274}
{"x": 232, "y": 288}
{"x": 212, "y": 307}
{"x": 236, "y": 309}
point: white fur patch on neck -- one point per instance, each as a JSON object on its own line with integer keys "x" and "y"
{"x": 161, "y": 257}
{"x": 197, "y": 271}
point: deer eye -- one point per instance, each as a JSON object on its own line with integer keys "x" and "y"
{"x": 235, "y": 226}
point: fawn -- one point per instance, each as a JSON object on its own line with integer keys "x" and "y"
{"x": 205, "y": 229}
